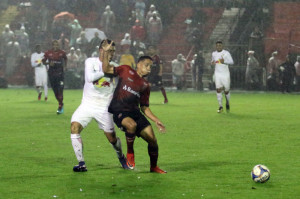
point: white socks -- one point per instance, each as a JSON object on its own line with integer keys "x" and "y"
{"x": 46, "y": 90}
{"x": 77, "y": 146}
{"x": 219, "y": 97}
{"x": 118, "y": 147}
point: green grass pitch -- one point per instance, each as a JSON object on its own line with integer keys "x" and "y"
{"x": 207, "y": 155}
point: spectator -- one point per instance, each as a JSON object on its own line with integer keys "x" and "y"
{"x": 256, "y": 44}
{"x": 72, "y": 60}
{"x": 154, "y": 29}
{"x": 76, "y": 29}
{"x": 252, "y": 70}
{"x": 95, "y": 41}
{"x": 272, "y": 72}
{"x": 125, "y": 42}
{"x": 44, "y": 13}
{"x": 140, "y": 17}
{"x": 39, "y": 37}
{"x": 82, "y": 42}
{"x": 81, "y": 59}
{"x": 287, "y": 74}
{"x": 178, "y": 71}
{"x": 199, "y": 66}
{"x": 140, "y": 5}
{"x": 136, "y": 48}
{"x": 96, "y": 52}
{"x": 64, "y": 42}
{"x": 127, "y": 59}
{"x": 297, "y": 67}
{"x": 138, "y": 31}
{"x": 12, "y": 55}
{"x": 150, "y": 13}
{"x": 132, "y": 19}
{"x": 108, "y": 21}
{"x": 23, "y": 39}
{"x": 6, "y": 37}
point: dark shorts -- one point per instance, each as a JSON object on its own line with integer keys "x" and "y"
{"x": 155, "y": 80}
{"x": 137, "y": 116}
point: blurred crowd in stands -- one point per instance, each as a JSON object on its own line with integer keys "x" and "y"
{"x": 80, "y": 25}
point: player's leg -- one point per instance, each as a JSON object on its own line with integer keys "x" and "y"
{"x": 116, "y": 144}
{"x": 219, "y": 89}
{"x": 80, "y": 119}
{"x": 77, "y": 144}
{"x": 60, "y": 96}
{"x": 162, "y": 89}
{"x": 106, "y": 123}
{"x": 38, "y": 89}
{"x": 45, "y": 87}
{"x": 46, "y": 91}
{"x": 226, "y": 84}
{"x": 130, "y": 125}
{"x": 148, "y": 135}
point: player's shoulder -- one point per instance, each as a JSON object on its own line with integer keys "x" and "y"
{"x": 92, "y": 60}
{"x": 125, "y": 67}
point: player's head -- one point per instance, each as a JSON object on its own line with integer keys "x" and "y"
{"x": 219, "y": 45}
{"x": 111, "y": 51}
{"x": 144, "y": 65}
{"x": 55, "y": 45}
{"x": 38, "y": 48}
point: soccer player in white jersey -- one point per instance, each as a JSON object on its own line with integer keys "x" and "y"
{"x": 41, "y": 76}
{"x": 97, "y": 94}
{"x": 221, "y": 59}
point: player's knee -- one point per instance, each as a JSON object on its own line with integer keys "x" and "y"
{"x": 131, "y": 127}
{"x": 76, "y": 128}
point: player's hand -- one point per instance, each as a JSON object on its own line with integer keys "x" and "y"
{"x": 51, "y": 63}
{"x": 221, "y": 60}
{"x": 160, "y": 127}
{"x": 106, "y": 46}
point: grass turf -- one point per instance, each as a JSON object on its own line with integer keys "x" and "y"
{"x": 207, "y": 155}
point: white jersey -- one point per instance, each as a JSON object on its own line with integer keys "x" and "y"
{"x": 39, "y": 68}
{"x": 219, "y": 67}
{"x": 98, "y": 89}
{"x": 222, "y": 75}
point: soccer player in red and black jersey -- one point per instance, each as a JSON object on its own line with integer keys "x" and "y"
{"x": 56, "y": 60}
{"x": 130, "y": 98}
{"x": 155, "y": 77}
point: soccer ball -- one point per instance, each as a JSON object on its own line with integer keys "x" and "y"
{"x": 260, "y": 173}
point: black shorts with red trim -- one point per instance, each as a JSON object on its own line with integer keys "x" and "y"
{"x": 137, "y": 116}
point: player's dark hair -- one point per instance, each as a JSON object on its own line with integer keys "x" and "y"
{"x": 142, "y": 58}
{"x": 108, "y": 41}
{"x": 219, "y": 42}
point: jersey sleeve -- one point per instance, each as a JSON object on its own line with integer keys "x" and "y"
{"x": 33, "y": 60}
{"x": 228, "y": 59}
{"x": 45, "y": 57}
{"x": 92, "y": 72}
{"x": 144, "y": 99}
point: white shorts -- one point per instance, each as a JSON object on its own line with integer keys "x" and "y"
{"x": 41, "y": 78}
{"x": 222, "y": 80}
{"x": 86, "y": 112}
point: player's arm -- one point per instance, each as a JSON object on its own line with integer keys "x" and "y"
{"x": 228, "y": 59}
{"x": 213, "y": 62}
{"x": 92, "y": 71}
{"x": 34, "y": 62}
{"x": 147, "y": 111}
{"x": 45, "y": 58}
